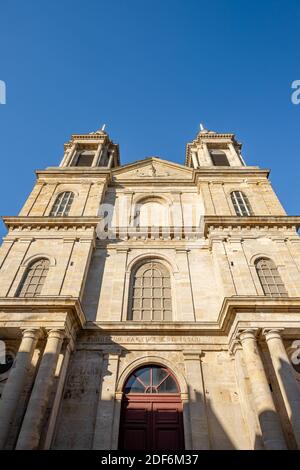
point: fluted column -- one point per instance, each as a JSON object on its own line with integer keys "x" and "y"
{"x": 286, "y": 379}
{"x": 15, "y": 382}
{"x": 32, "y": 425}
{"x": 269, "y": 420}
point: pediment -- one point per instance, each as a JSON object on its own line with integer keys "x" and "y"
{"x": 154, "y": 169}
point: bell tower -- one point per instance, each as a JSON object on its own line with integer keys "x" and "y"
{"x": 213, "y": 149}
{"x": 94, "y": 150}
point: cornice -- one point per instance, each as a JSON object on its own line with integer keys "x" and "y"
{"x": 39, "y": 306}
{"x": 221, "y": 327}
{"x": 42, "y": 222}
{"x": 236, "y": 313}
{"x": 92, "y": 172}
{"x": 215, "y": 222}
{"x": 146, "y": 161}
{"x": 226, "y": 172}
{"x": 107, "y": 175}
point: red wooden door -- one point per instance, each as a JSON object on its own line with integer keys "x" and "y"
{"x": 152, "y": 422}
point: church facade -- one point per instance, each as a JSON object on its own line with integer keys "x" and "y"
{"x": 150, "y": 305}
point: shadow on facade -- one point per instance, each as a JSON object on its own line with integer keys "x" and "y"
{"x": 90, "y": 416}
{"x": 288, "y": 377}
{"x": 89, "y": 413}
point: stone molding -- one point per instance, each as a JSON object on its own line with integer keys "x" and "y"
{"x": 63, "y": 313}
{"x": 41, "y": 223}
{"x": 213, "y": 224}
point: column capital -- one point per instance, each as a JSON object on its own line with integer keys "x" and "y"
{"x": 119, "y": 396}
{"x": 235, "y": 346}
{"x": 31, "y": 332}
{"x": 247, "y": 333}
{"x": 56, "y": 333}
{"x": 271, "y": 333}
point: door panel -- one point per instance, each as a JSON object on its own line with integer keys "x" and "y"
{"x": 151, "y": 423}
{"x": 135, "y": 439}
{"x": 167, "y": 439}
{"x": 168, "y": 432}
{"x": 135, "y": 431}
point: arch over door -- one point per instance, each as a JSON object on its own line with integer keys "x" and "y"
{"x": 151, "y": 416}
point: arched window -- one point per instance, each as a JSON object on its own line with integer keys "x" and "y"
{"x": 34, "y": 279}
{"x": 270, "y": 279}
{"x": 150, "y": 293}
{"x": 240, "y": 203}
{"x": 151, "y": 379}
{"x": 151, "y": 213}
{"x": 62, "y": 204}
{"x": 219, "y": 158}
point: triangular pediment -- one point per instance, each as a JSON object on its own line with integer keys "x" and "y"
{"x": 153, "y": 168}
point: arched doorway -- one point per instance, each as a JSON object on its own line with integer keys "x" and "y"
{"x": 151, "y": 415}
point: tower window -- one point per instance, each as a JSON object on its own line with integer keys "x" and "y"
{"x": 85, "y": 159}
{"x": 62, "y": 204}
{"x": 219, "y": 158}
{"x": 34, "y": 279}
{"x": 240, "y": 203}
{"x": 270, "y": 279}
{"x": 150, "y": 296}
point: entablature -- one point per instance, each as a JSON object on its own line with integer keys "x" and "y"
{"x": 46, "y": 312}
{"x": 40, "y": 223}
{"x": 215, "y": 224}
{"x": 78, "y": 175}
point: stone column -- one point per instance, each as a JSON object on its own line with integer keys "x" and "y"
{"x": 97, "y": 155}
{"x": 236, "y": 154}
{"x": 286, "y": 379}
{"x": 267, "y": 415}
{"x": 195, "y": 160}
{"x": 16, "y": 381}
{"x": 111, "y": 159}
{"x": 62, "y": 366}
{"x": 32, "y": 425}
{"x": 246, "y": 400}
{"x": 206, "y": 153}
{"x": 197, "y": 405}
{"x": 69, "y": 156}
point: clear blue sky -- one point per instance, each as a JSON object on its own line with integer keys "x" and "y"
{"x": 152, "y": 71}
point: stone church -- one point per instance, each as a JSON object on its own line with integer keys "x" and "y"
{"x": 151, "y": 305}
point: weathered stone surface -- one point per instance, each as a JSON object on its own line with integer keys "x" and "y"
{"x": 210, "y": 254}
